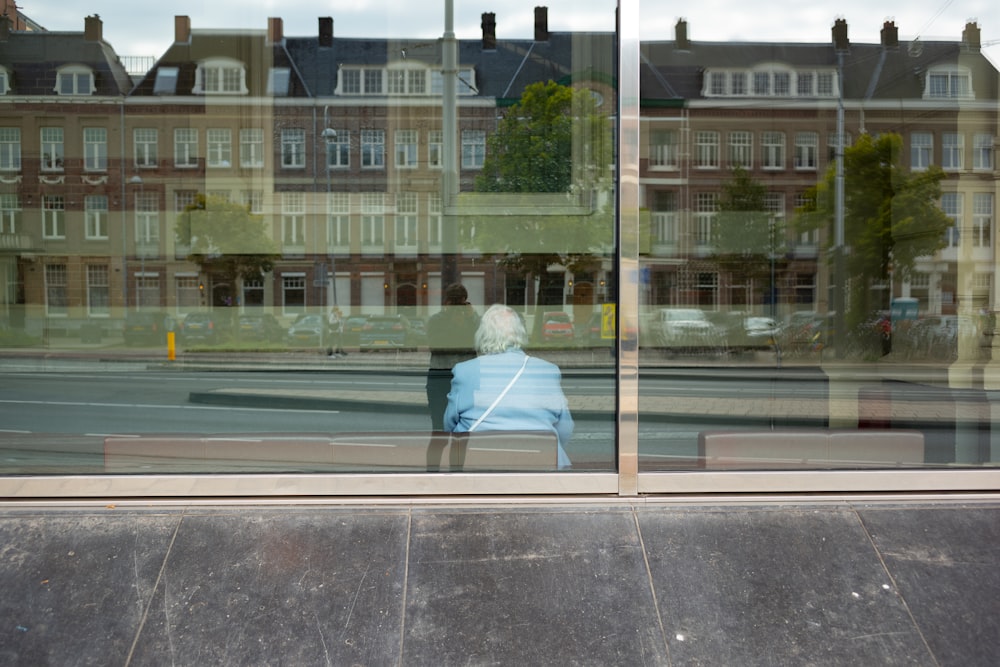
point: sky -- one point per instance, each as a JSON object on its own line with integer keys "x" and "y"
{"x": 141, "y": 28}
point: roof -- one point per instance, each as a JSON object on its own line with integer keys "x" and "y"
{"x": 34, "y": 58}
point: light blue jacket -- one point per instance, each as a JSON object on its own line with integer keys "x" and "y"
{"x": 535, "y": 403}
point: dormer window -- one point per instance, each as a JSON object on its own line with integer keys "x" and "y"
{"x": 220, "y": 77}
{"x": 75, "y": 80}
{"x": 278, "y": 79}
{"x": 4, "y": 81}
{"x": 166, "y": 81}
{"x": 948, "y": 83}
{"x": 769, "y": 81}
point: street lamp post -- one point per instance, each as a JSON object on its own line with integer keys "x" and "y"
{"x": 329, "y": 135}
{"x": 137, "y": 180}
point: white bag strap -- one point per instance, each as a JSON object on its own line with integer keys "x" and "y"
{"x": 500, "y": 397}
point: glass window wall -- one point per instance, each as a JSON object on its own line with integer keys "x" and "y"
{"x": 596, "y": 251}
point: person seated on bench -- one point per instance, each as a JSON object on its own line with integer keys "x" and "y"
{"x": 503, "y": 389}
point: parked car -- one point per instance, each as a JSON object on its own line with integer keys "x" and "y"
{"x": 759, "y": 332}
{"x": 262, "y": 328}
{"x": 386, "y": 332}
{"x": 309, "y": 329}
{"x": 352, "y": 329}
{"x": 208, "y": 328}
{"x": 557, "y": 326}
{"x": 686, "y": 329}
{"x": 146, "y": 327}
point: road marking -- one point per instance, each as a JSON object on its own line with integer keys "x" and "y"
{"x": 147, "y": 406}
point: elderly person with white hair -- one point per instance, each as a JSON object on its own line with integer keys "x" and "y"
{"x": 503, "y": 389}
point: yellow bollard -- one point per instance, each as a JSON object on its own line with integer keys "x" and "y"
{"x": 171, "y": 346}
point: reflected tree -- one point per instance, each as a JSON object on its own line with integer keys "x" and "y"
{"x": 554, "y": 141}
{"x": 891, "y": 217}
{"x": 226, "y": 241}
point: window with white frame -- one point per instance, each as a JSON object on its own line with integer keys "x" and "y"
{"x": 663, "y": 146}
{"x": 772, "y": 146}
{"x": 982, "y": 152}
{"x": 952, "y": 150}
{"x": 948, "y": 82}
{"x": 53, "y": 217}
{"x": 717, "y": 83}
{"x": 406, "y": 220}
{"x": 805, "y": 84}
{"x": 95, "y": 213}
{"x": 338, "y": 219}
{"x": 145, "y": 145}
{"x": 220, "y": 76}
{"x": 741, "y": 149}
{"x": 10, "y": 213}
{"x": 219, "y": 147}
{"x": 706, "y": 207}
{"x": 188, "y": 294}
{"x": 95, "y": 149}
{"x": 147, "y": 222}
{"x": 251, "y": 147}
{"x": 825, "y": 84}
{"x": 253, "y": 293}
{"x": 372, "y": 149}
{"x": 465, "y": 84}
{"x": 253, "y": 200}
{"x": 184, "y": 199}
{"x": 921, "y": 150}
{"x": 373, "y": 81}
{"x": 664, "y": 218}
{"x": 185, "y": 147}
{"x": 434, "y": 219}
{"x": 350, "y": 81}
{"x": 10, "y": 149}
{"x": 982, "y": 219}
{"x": 147, "y": 289}
{"x": 55, "y": 289}
{"x": 293, "y": 293}
{"x": 98, "y": 290}
{"x": 782, "y": 84}
{"x": 473, "y": 149}
{"x": 338, "y": 149}
{"x": 372, "y": 219}
{"x": 293, "y": 148}
{"x": 4, "y": 81}
{"x": 706, "y": 149}
{"x": 52, "y": 149}
{"x": 806, "y": 150}
{"x": 406, "y": 149}
{"x": 293, "y": 220}
{"x": 762, "y": 84}
{"x": 951, "y": 204}
{"x": 435, "y": 149}
{"x": 406, "y": 81}
{"x": 74, "y": 80}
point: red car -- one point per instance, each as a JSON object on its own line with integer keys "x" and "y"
{"x": 556, "y": 326}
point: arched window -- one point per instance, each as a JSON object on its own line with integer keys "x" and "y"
{"x": 74, "y": 80}
{"x": 220, "y": 76}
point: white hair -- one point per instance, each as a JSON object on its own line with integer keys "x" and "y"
{"x": 500, "y": 329}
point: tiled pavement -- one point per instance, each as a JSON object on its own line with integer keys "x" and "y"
{"x": 585, "y": 583}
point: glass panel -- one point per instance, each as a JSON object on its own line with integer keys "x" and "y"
{"x": 808, "y": 309}
{"x": 346, "y": 211}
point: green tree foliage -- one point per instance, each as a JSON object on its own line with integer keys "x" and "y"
{"x": 745, "y": 236}
{"x": 891, "y": 217}
{"x": 226, "y": 240}
{"x": 554, "y": 140}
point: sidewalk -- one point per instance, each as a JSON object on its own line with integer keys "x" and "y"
{"x": 470, "y": 583}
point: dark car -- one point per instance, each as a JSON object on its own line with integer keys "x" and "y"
{"x": 208, "y": 328}
{"x": 386, "y": 332}
{"x": 263, "y": 328}
{"x": 146, "y": 327}
{"x": 352, "y": 329}
{"x": 309, "y": 330}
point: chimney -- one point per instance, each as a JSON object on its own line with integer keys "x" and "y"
{"x": 325, "y": 31}
{"x": 93, "y": 28}
{"x": 182, "y": 29}
{"x": 840, "y": 41}
{"x": 890, "y": 35}
{"x": 489, "y": 26}
{"x": 275, "y": 30}
{"x": 6, "y": 26}
{"x": 681, "y": 41}
{"x": 541, "y": 24}
{"x": 970, "y": 37}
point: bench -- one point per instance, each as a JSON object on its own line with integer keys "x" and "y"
{"x": 809, "y": 448}
{"x": 370, "y": 451}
